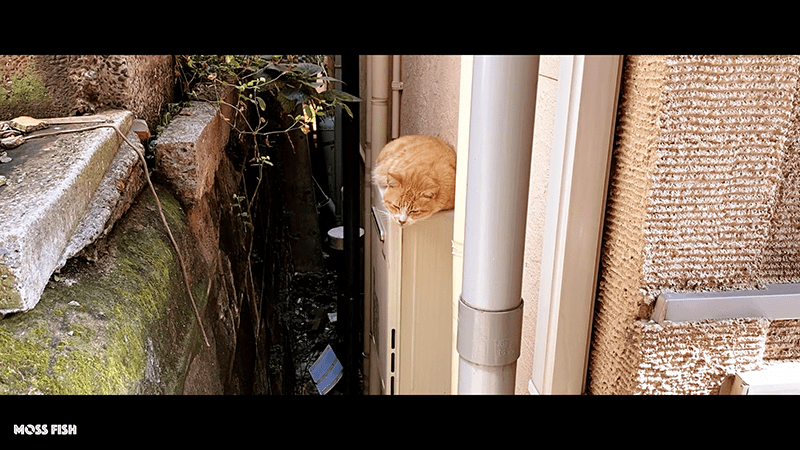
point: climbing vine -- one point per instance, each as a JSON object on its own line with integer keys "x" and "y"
{"x": 300, "y": 84}
{"x": 275, "y": 94}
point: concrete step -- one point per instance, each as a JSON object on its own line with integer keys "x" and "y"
{"x": 50, "y": 184}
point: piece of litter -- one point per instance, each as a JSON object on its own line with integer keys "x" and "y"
{"x": 74, "y": 303}
{"x": 26, "y": 124}
{"x": 332, "y": 317}
{"x": 317, "y": 320}
{"x": 140, "y": 128}
{"x": 326, "y": 371}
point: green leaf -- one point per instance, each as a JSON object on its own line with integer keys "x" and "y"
{"x": 295, "y": 95}
{"x": 310, "y": 67}
{"x": 261, "y": 103}
{"x": 286, "y": 104}
{"x": 330, "y": 79}
{"x": 335, "y": 96}
{"x": 347, "y": 110}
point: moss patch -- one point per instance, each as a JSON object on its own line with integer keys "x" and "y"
{"x": 126, "y": 329}
{"x": 25, "y": 89}
{"x": 9, "y": 297}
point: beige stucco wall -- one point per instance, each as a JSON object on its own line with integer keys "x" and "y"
{"x": 702, "y": 197}
{"x": 429, "y": 101}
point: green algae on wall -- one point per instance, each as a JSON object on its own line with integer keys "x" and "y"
{"x": 124, "y": 329}
{"x": 9, "y": 297}
{"x": 25, "y": 91}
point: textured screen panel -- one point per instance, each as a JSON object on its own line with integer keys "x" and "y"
{"x": 612, "y": 362}
{"x": 781, "y": 258}
{"x": 704, "y": 194}
{"x": 783, "y": 340}
{"x": 694, "y": 358}
{"x": 724, "y": 126}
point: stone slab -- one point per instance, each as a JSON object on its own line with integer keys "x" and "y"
{"x": 50, "y": 184}
{"x": 123, "y": 181}
{"x": 188, "y": 151}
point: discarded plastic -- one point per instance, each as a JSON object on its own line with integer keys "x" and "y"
{"x": 326, "y": 371}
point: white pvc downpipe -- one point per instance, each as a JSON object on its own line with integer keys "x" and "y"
{"x": 500, "y": 147}
{"x": 380, "y": 102}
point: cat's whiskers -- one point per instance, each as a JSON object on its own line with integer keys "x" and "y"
{"x": 396, "y": 218}
{"x": 385, "y": 214}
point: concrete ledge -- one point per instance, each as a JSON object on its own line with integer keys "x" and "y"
{"x": 47, "y": 194}
{"x": 122, "y": 182}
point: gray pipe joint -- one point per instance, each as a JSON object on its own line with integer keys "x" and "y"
{"x": 489, "y": 338}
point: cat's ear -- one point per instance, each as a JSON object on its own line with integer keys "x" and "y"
{"x": 393, "y": 179}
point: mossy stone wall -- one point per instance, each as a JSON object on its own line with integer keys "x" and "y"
{"x": 66, "y": 85}
{"x": 123, "y": 325}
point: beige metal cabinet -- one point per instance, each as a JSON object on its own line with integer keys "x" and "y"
{"x": 411, "y": 293}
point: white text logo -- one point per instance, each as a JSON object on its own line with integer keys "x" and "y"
{"x": 39, "y": 429}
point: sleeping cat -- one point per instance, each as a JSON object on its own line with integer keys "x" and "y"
{"x": 416, "y": 177}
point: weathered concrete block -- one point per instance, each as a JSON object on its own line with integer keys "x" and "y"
{"x": 187, "y": 156}
{"x": 122, "y": 182}
{"x": 188, "y": 151}
{"x": 47, "y": 194}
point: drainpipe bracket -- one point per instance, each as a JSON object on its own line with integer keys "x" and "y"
{"x": 489, "y": 338}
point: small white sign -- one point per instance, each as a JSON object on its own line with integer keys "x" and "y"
{"x": 326, "y": 371}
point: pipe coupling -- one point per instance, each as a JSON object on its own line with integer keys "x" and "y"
{"x": 489, "y": 338}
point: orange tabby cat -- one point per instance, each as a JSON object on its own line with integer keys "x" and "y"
{"x": 416, "y": 177}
